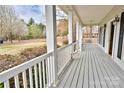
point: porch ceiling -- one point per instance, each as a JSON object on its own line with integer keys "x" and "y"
{"x": 92, "y": 14}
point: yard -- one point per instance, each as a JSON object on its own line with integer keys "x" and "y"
{"x": 13, "y": 54}
{"x": 16, "y": 47}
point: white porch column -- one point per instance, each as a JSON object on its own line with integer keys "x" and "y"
{"x": 70, "y": 31}
{"x": 77, "y": 31}
{"x": 78, "y": 34}
{"x": 80, "y": 37}
{"x": 51, "y": 35}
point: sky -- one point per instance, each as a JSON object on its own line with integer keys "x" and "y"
{"x": 30, "y": 11}
{"x": 37, "y": 12}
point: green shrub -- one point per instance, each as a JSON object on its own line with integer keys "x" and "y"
{"x": 1, "y": 85}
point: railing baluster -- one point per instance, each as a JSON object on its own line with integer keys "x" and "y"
{"x": 24, "y": 79}
{"x": 44, "y": 81}
{"x": 49, "y": 71}
{"x": 16, "y": 78}
{"x": 53, "y": 73}
{"x": 46, "y": 72}
{"x": 30, "y": 77}
{"x": 6, "y": 84}
{"x": 40, "y": 76}
{"x": 36, "y": 78}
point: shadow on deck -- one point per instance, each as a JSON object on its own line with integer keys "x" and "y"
{"x": 92, "y": 68}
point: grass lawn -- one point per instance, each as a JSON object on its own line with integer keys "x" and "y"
{"x": 17, "y": 48}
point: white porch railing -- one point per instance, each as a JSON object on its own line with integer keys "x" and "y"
{"x": 65, "y": 55}
{"x": 38, "y": 72}
{"x": 34, "y": 73}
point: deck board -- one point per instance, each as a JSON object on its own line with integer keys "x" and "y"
{"x": 86, "y": 79}
{"x": 110, "y": 75}
{"x": 114, "y": 75}
{"x": 62, "y": 83}
{"x": 99, "y": 72}
{"x": 104, "y": 72}
{"x": 70, "y": 78}
{"x": 81, "y": 74}
{"x": 119, "y": 73}
{"x": 91, "y": 74}
{"x": 75, "y": 79}
{"x": 97, "y": 80}
{"x": 92, "y": 69}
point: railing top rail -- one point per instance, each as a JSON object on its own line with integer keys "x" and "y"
{"x": 5, "y": 75}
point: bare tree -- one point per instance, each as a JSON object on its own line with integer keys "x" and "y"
{"x": 10, "y": 24}
{"x": 20, "y": 29}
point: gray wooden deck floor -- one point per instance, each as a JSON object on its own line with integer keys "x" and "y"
{"x": 92, "y": 68}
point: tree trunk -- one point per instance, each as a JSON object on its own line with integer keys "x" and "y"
{"x": 19, "y": 38}
{"x": 11, "y": 37}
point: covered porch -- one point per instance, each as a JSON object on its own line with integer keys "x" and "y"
{"x": 92, "y": 68}
{"x": 79, "y": 64}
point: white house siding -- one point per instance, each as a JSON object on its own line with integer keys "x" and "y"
{"x": 115, "y": 40}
